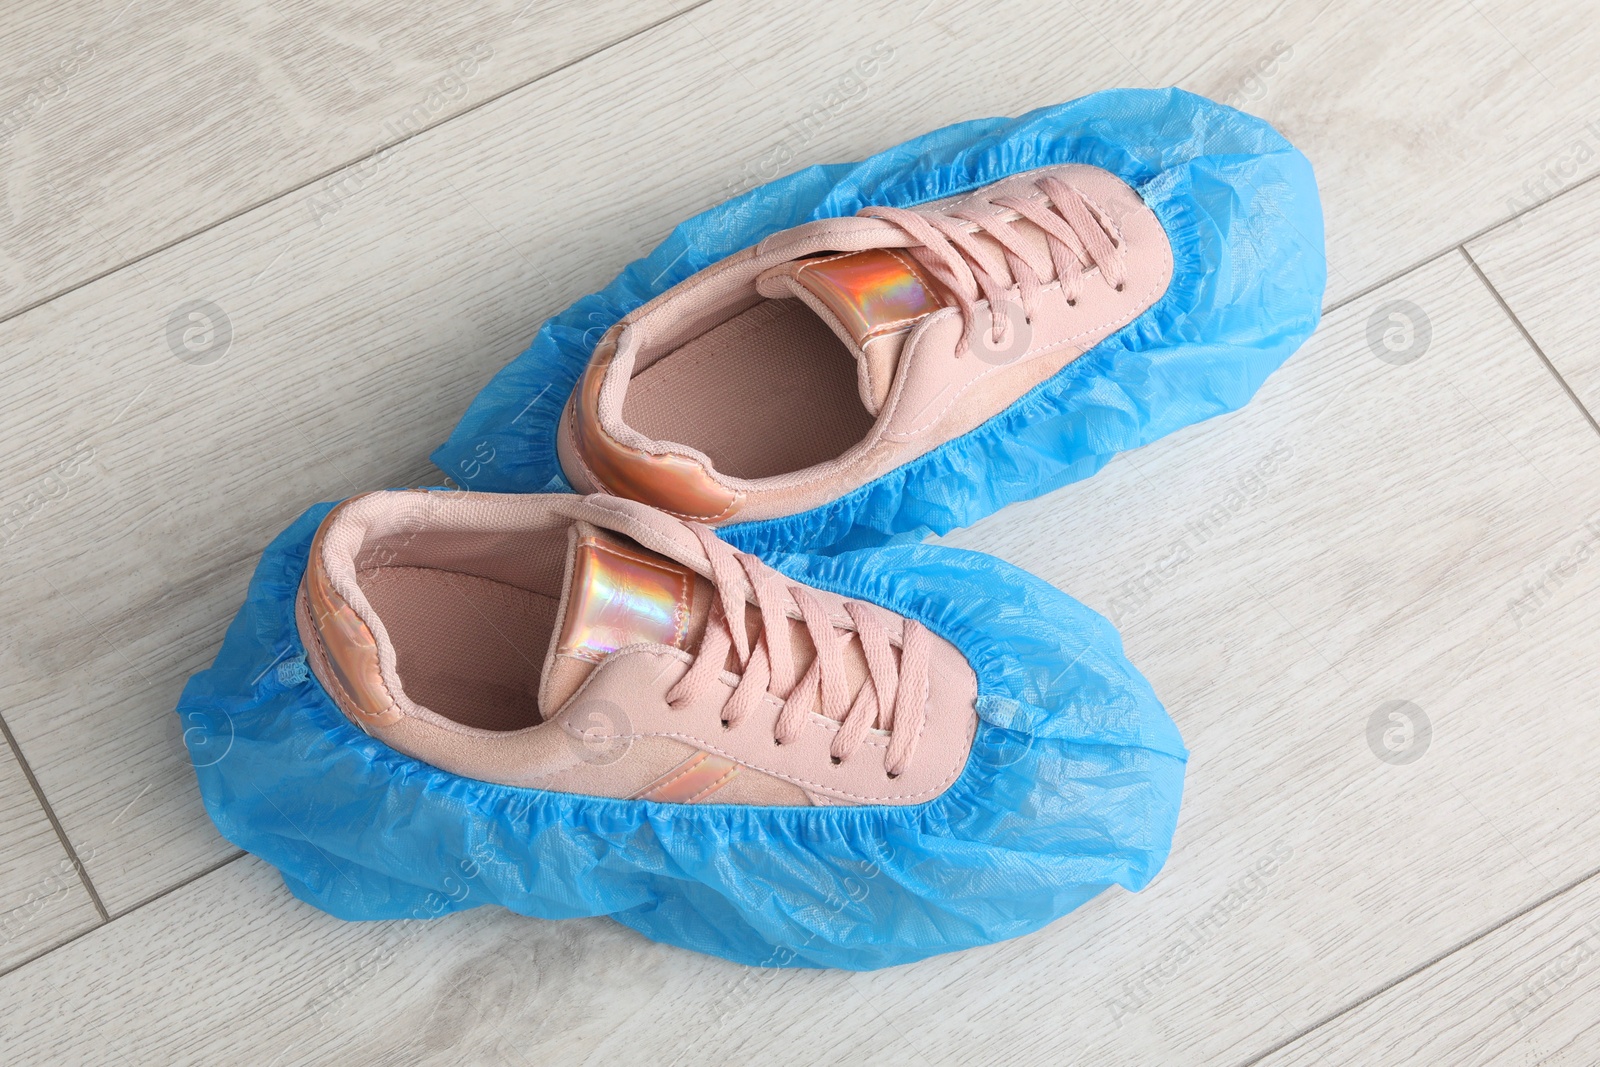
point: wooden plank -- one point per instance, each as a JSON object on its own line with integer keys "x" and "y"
{"x": 42, "y": 899}
{"x": 232, "y": 970}
{"x": 126, "y": 125}
{"x": 1380, "y": 556}
{"x": 1525, "y": 994}
{"x": 1544, "y": 265}
{"x": 1394, "y": 104}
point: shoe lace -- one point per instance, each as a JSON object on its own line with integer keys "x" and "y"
{"x": 893, "y": 696}
{"x": 1076, "y": 234}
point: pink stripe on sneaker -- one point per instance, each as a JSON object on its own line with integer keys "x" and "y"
{"x": 691, "y": 781}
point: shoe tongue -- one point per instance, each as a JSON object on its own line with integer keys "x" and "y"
{"x": 615, "y": 594}
{"x": 870, "y": 299}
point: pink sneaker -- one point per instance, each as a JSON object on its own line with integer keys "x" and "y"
{"x": 792, "y": 373}
{"x": 598, "y": 646}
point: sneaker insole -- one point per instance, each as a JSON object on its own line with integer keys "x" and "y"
{"x": 770, "y": 391}
{"x": 468, "y": 648}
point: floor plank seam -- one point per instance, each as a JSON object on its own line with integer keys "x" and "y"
{"x": 291, "y": 190}
{"x": 1391, "y": 279}
{"x": 174, "y": 887}
{"x": 189, "y": 880}
{"x": 1338, "y": 1013}
{"x": 1441, "y": 253}
{"x": 1528, "y": 337}
{"x": 55, "y": 823}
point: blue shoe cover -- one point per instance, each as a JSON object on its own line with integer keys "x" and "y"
{"x": 1238, "y": 202}
{"x": 1072, "y": 786}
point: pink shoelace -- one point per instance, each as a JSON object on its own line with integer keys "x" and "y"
{"x": 893, "y": 696}
{"x": 1075, "y": 233}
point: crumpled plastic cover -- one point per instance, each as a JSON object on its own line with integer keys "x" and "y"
{"x": 1072, "y": 786}
{"x": 1239, "y": 204}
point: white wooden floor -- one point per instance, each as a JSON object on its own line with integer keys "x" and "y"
{"x": 1398, "y": 546}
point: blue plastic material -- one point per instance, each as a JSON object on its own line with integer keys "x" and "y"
{"x": 1238, "y": 202}
{"x": 1072, "y": 786}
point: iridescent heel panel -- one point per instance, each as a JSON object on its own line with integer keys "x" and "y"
{"x": 876, "y": 292}
{"x": 620, "y": 596}
{"x": 348, "y": 648}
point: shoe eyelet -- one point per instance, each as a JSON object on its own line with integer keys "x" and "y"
{"x": 891, "y": 774}
{"x": 778, "y": 742}
{"x": 1072, "y": 303}
{"x": 835, "y": 760}
{"x": 1119, "y": 287}
{"x": 726, "y": 725}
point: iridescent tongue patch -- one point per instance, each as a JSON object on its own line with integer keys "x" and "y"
{"x": 623, "y": 596}
{"x": 872, "y": 293}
